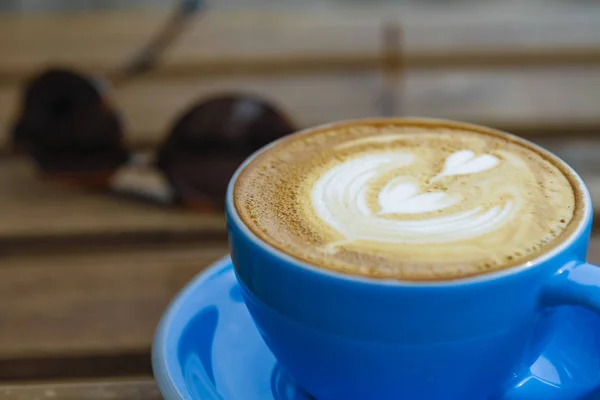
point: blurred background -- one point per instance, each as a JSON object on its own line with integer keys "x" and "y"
{"x": 65, "y": 5}
{"x": 86, "y": 271}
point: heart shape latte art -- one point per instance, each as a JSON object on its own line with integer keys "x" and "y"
{"x": 340, "y": 196}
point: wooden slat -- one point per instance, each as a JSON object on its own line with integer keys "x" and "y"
{"x": 308, "y": 100}
{"x": 348, "y": 46}
{"x": 517, "y": 99}
{"x": 93, "y": 303}
{"x": 139, "y": 389}
{"x": 39, "y": 39}
{"x": 79, "y": 366}
{"x": 533, "y": 102}
{"x": 150, "y": 108}
{"x": 431, "y": 35}
{"x": 30, "y": 207}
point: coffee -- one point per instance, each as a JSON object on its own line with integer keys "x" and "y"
{"x": 408, "y": 199}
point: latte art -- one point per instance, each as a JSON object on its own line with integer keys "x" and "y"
{"x": 408, "y": 199}
{"x": 340, "y": 199}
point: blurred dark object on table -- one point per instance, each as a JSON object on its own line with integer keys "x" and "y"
{"x": 69, "y": 127}
{"x": 209, "y": 142}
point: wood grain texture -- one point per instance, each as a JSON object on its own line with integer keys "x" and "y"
{"x": 328, "y": 66}
{"x": 541, "y": 100}
{"x": 84, "y": 278}
{"x": 30, "y": 207}
{"x": 92, "y": 303}
{"x": 533, "y": 102}
{"x": 150, "y": 108}
{"x": 429, "y": 34}
{"x": 530, "y": 101}
{"x": 134, "y": 362}
{"x": 139, "y": 389}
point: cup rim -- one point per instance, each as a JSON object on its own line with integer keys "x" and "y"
{"x": 234, "y": 217}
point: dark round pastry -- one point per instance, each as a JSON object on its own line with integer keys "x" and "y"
{"x": 211, "y": 140}
{"x": 68, "y": 126}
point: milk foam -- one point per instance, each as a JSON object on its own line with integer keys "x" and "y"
{"x": 407, "y": 199}
{"x": 339, "y": 198}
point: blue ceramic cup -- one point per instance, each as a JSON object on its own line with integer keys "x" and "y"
{"x": 342, "y": 337}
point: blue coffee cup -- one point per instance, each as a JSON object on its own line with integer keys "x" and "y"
{"x": 342, "y": 337}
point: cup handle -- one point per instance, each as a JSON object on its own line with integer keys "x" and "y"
{"x": 569, "y": 365}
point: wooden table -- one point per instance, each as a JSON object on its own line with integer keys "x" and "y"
{"x": 527, "y": 71}
{"x": 141, "y": 389}
{"x": 84, "y": 278}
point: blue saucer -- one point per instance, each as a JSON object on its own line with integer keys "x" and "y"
{"x": 207, "y": 348}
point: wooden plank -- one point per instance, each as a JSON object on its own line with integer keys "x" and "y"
{"x": 517, "y": 99}
{"x": 78, "y": 366}
{"x": 533, "y": 102}
{"x": 138, "y": 389}
{"x": 214, "y": 36}
{"x": 523, "y": 100}
{"x": 150, "y": 108}
{"x": 309, "y": 100}
{"x": 431, "y": 36}
{"x": 93, "y": 303}
{"x": 31, "y": 207}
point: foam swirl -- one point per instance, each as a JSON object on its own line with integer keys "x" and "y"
{"x": 340, "y": 198}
